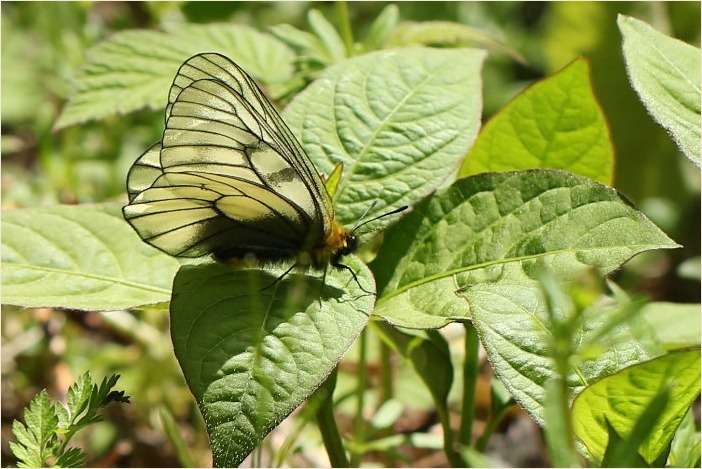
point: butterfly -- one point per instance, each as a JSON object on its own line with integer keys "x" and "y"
{"x": 230, "y": 179}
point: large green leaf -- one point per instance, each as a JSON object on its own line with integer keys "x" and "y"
{"x": 134, "y": 69}
{"x": 516, "y": 330}
{"x": 556, "y": 123}
{"x": 399, "y": 120}
{"x": 494, "y": 227}
{"x": 80, "y": 257}
{"x": 665, "y": 72}
{"x": 644, "y": 151}
{"x": 252, "y": 348}
{"x": 622, "y": 397}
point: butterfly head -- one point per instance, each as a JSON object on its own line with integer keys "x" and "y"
{"x": 339, "y": 243}
{"x": 349, "y": 244}
{"x": 342, "y": 242}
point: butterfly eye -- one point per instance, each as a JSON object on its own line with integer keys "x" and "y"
{"x": 351, "y": 245}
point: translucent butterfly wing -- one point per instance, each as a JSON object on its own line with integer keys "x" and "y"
{"x": 226, "y": 178}
{"x": 217, "y": 67}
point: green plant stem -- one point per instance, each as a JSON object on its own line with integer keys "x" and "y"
{"x": 331, "y": 437}
{"x": 386, "y": 384}
{"x": 492, "y": 423}
{"x": 359, "y": 420}
{"x": 346, "y": 34}
{"x": 559, "y": 427}
{"x": 454, "y": 458}
{"x": 470, "y": 381}
{"x": 171, "y": 429}
{"x": 386, "y": 393}
{"x": 285, "y": 448}
{"x": 559, "y": 433}
{"x": 327, "y": 424}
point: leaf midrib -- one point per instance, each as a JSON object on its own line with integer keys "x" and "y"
{"x": 382, "y": 124}
{"x": 86, "y": 275}
{"x": 452, "y": 272}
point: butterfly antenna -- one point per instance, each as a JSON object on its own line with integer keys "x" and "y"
{"x": 393, "y": 212}
{"x": 370, "y": 207}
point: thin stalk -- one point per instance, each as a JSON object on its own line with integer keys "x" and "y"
{"x": 306, "y": 415}
{"x": 559, "y": 426}
{"x": 179, "y": 445}
{"x": 328, "y": 428}
{"x": 470, "y": 381}
{"x": 490, "y": 427}
{"x": 386, "y": 393}
{"x": 559, "y": 419}
{"x": 257, "y": 456}
{"x": 563, "y": 319}
{"x": 386, "y": 383}
{"x": 454, "y": 458}
{"x": 359, "y": 420}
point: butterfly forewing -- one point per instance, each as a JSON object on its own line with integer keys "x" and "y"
{"x": 228, "y": 177}
{"x": 219, "y": 68}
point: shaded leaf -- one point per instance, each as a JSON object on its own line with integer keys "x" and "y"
{"x": 251, "y": 354}
{"x": 72, "y": 457}
{"x": 616, "y": 444}
{"x": 431, "y": 359}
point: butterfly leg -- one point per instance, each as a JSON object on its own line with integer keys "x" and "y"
{"x": 339, "y": 265}
{"x": 280, "y": 277}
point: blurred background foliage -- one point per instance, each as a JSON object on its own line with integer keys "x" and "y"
{"x": 43, "y": 47}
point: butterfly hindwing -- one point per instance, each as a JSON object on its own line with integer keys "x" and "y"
{"x": 145, "y": 170}
{"x": 228, "y": 177}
